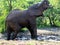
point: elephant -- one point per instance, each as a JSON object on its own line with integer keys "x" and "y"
{"x": 18, "y": 19}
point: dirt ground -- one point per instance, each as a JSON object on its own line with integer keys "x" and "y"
{"x": 28, "y": 42}
{"x": 47, "y": 31}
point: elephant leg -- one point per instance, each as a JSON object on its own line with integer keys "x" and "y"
{"x": 33, "y": 33}
{"x": 15, "y": 31}
{"x": 14, "y": 35}
{"x": 8, "y": 33}
{"x": 33, "y": 30}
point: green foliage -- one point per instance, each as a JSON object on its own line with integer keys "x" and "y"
{"x": 51, "y": 16}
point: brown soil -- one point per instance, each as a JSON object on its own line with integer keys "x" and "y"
{"x": 29, "y": 42}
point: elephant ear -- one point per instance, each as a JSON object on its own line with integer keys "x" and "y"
{"x": 35, "y": 8}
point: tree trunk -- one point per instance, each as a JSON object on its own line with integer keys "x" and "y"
{"x": 10, "y": 4}
{"x": 50, "y": 21}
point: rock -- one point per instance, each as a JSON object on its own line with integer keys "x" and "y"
{"x": 1, "y": 36}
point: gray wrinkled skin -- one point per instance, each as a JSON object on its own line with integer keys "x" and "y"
{"x": 17, "y": 19}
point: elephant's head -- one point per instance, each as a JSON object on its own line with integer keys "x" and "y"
{"x": 37, "y": 9}
{"x": 45, "y": 4}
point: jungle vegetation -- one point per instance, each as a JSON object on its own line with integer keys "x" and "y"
{"x": 51, "y": 16}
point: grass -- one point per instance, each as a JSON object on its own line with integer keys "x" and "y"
{"x": 28, "y": 42}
